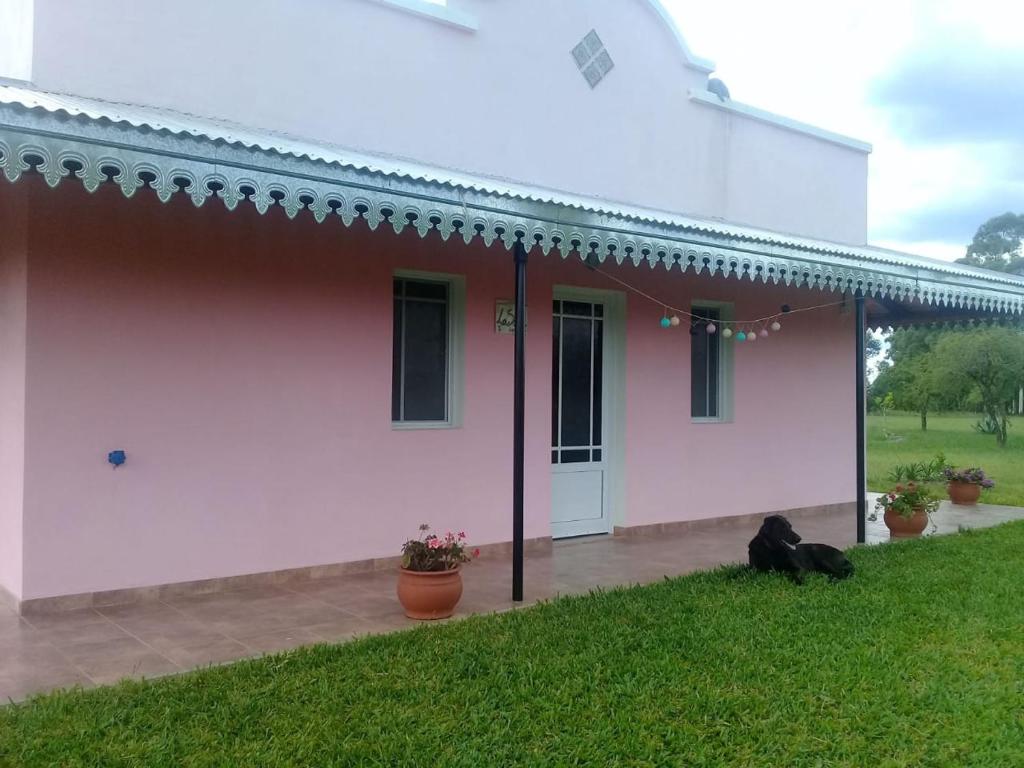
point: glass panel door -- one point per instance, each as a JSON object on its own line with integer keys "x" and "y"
{"x": 576, "y": 382}
{"x": 577, "y": 419}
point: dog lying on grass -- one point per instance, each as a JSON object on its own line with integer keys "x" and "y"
{"x": 777, "y": 548}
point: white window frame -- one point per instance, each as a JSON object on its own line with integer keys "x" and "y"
{"x": 456, "y": 347}
{"x": 725, "y": 366}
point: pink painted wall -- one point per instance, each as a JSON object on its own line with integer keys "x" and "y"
{"x": 363, "y": 75}
{"x": 790, "y": 442}
{"x": 244, "y": 364}
{"x": 13, "y": 304}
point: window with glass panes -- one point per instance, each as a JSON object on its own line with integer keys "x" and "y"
{"x": 705, "y": 365}
{"x": 420, "y": 390}
{"x": 577, "y": 366}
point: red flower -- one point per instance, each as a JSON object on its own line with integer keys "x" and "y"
{"x": 476, "y": 552}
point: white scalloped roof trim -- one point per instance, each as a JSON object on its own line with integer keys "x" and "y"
{"x": 208, "y": 129}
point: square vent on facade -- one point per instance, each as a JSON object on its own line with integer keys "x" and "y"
{"x": 592, "y": 58}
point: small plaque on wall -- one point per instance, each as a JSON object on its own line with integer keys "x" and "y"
{"x": 504, "y": 316}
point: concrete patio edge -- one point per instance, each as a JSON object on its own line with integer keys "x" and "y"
{"x": 108, "y": 598}
{"x": 714, "y": 523}
{"x": 7, "y": 599}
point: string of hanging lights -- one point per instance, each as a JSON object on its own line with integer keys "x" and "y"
{"x": 739, "y": 330}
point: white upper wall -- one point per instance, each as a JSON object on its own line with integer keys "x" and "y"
{"x": 486, "y": 86}
{"x": 16, "y": 39}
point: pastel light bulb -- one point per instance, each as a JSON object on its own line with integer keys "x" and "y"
{"x": 741, "y": 336}
{"x": 674, "y": 321}
{"x": 711, "y": 328}
{"x": 665, "y": 322}
{"x": 776, "y": 326}
{"x": 764, "y": 333}
{"x": 727, "y": 333}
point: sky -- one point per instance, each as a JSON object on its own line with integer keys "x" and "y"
{"x": 937, "y": 86}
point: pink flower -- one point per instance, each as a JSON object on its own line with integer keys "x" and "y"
{"x": 476, "y": 552}
{"x": 462, "y": 534}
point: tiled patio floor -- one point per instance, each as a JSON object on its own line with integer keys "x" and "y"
{"x": 91, "y": 647}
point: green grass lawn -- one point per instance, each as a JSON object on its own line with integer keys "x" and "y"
{"x": 916, "y": 661}
{"x": 953, "y": 434}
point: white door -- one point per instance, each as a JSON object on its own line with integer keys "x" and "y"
{"x": 579, "y": 419}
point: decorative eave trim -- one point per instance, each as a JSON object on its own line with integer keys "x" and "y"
{"x": 170, "y": 165}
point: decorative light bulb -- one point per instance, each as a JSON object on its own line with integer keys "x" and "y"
{"x": 727, "y": 333}
{"x": 751, "y": 336}
{"x": 741, "y": 336}
{"x": 776, "y": 326}
{"x": 711, "y": 328}
{"x": 674, "y": 321}
{"x": 764, "y": 333}
{"x": 665, "y": 322}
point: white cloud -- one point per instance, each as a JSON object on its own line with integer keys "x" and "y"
{"x": 822, "y": 62}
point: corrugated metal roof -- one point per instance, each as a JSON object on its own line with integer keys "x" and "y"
{"x": 181, "y": 124}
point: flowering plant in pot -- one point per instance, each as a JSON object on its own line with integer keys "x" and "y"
{"x": 906, "y": 509}
{"x": 430, "y": 579}
{"x": 965, "y": 485}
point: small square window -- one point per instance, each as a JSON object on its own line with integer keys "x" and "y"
{"x": 593, "y": 61}
{"x": 581, "y": 54}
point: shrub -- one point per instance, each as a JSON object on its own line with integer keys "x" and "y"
{"x": 431, "y": 552}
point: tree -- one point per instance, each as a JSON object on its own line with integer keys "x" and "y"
{"x": 872, "y": 349}
{"x": 925, "y": 388}
{"x": 991, "y": 360}
{"x": 998, "y": 244}
{"x": 873, "y": 346}
{"x": 913, "y": 379}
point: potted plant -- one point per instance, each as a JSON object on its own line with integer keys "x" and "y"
{"x": 906, "y": 509}
{"x": 964, "y": 485}
{"x": 430, "y": 577}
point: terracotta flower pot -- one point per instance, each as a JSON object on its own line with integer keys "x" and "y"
{"x": 964, "y": 493}
{"x": 429, "y": 594}
{"x": 906, "y": 527}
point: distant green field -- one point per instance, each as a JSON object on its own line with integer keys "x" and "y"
{"x": 952, "y": 434}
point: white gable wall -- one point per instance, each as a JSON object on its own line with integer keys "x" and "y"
{"x": 504, "y": 99}
{"x": 16, "y": 39}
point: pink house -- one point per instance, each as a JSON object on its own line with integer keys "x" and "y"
{"x": 258, "y": 289}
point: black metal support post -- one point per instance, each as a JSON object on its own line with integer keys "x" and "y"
{"x": 862, "y": 457}
{"x": 518, "y": 425}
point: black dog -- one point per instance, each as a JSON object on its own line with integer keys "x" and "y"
{"x": 777, "y": 547}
